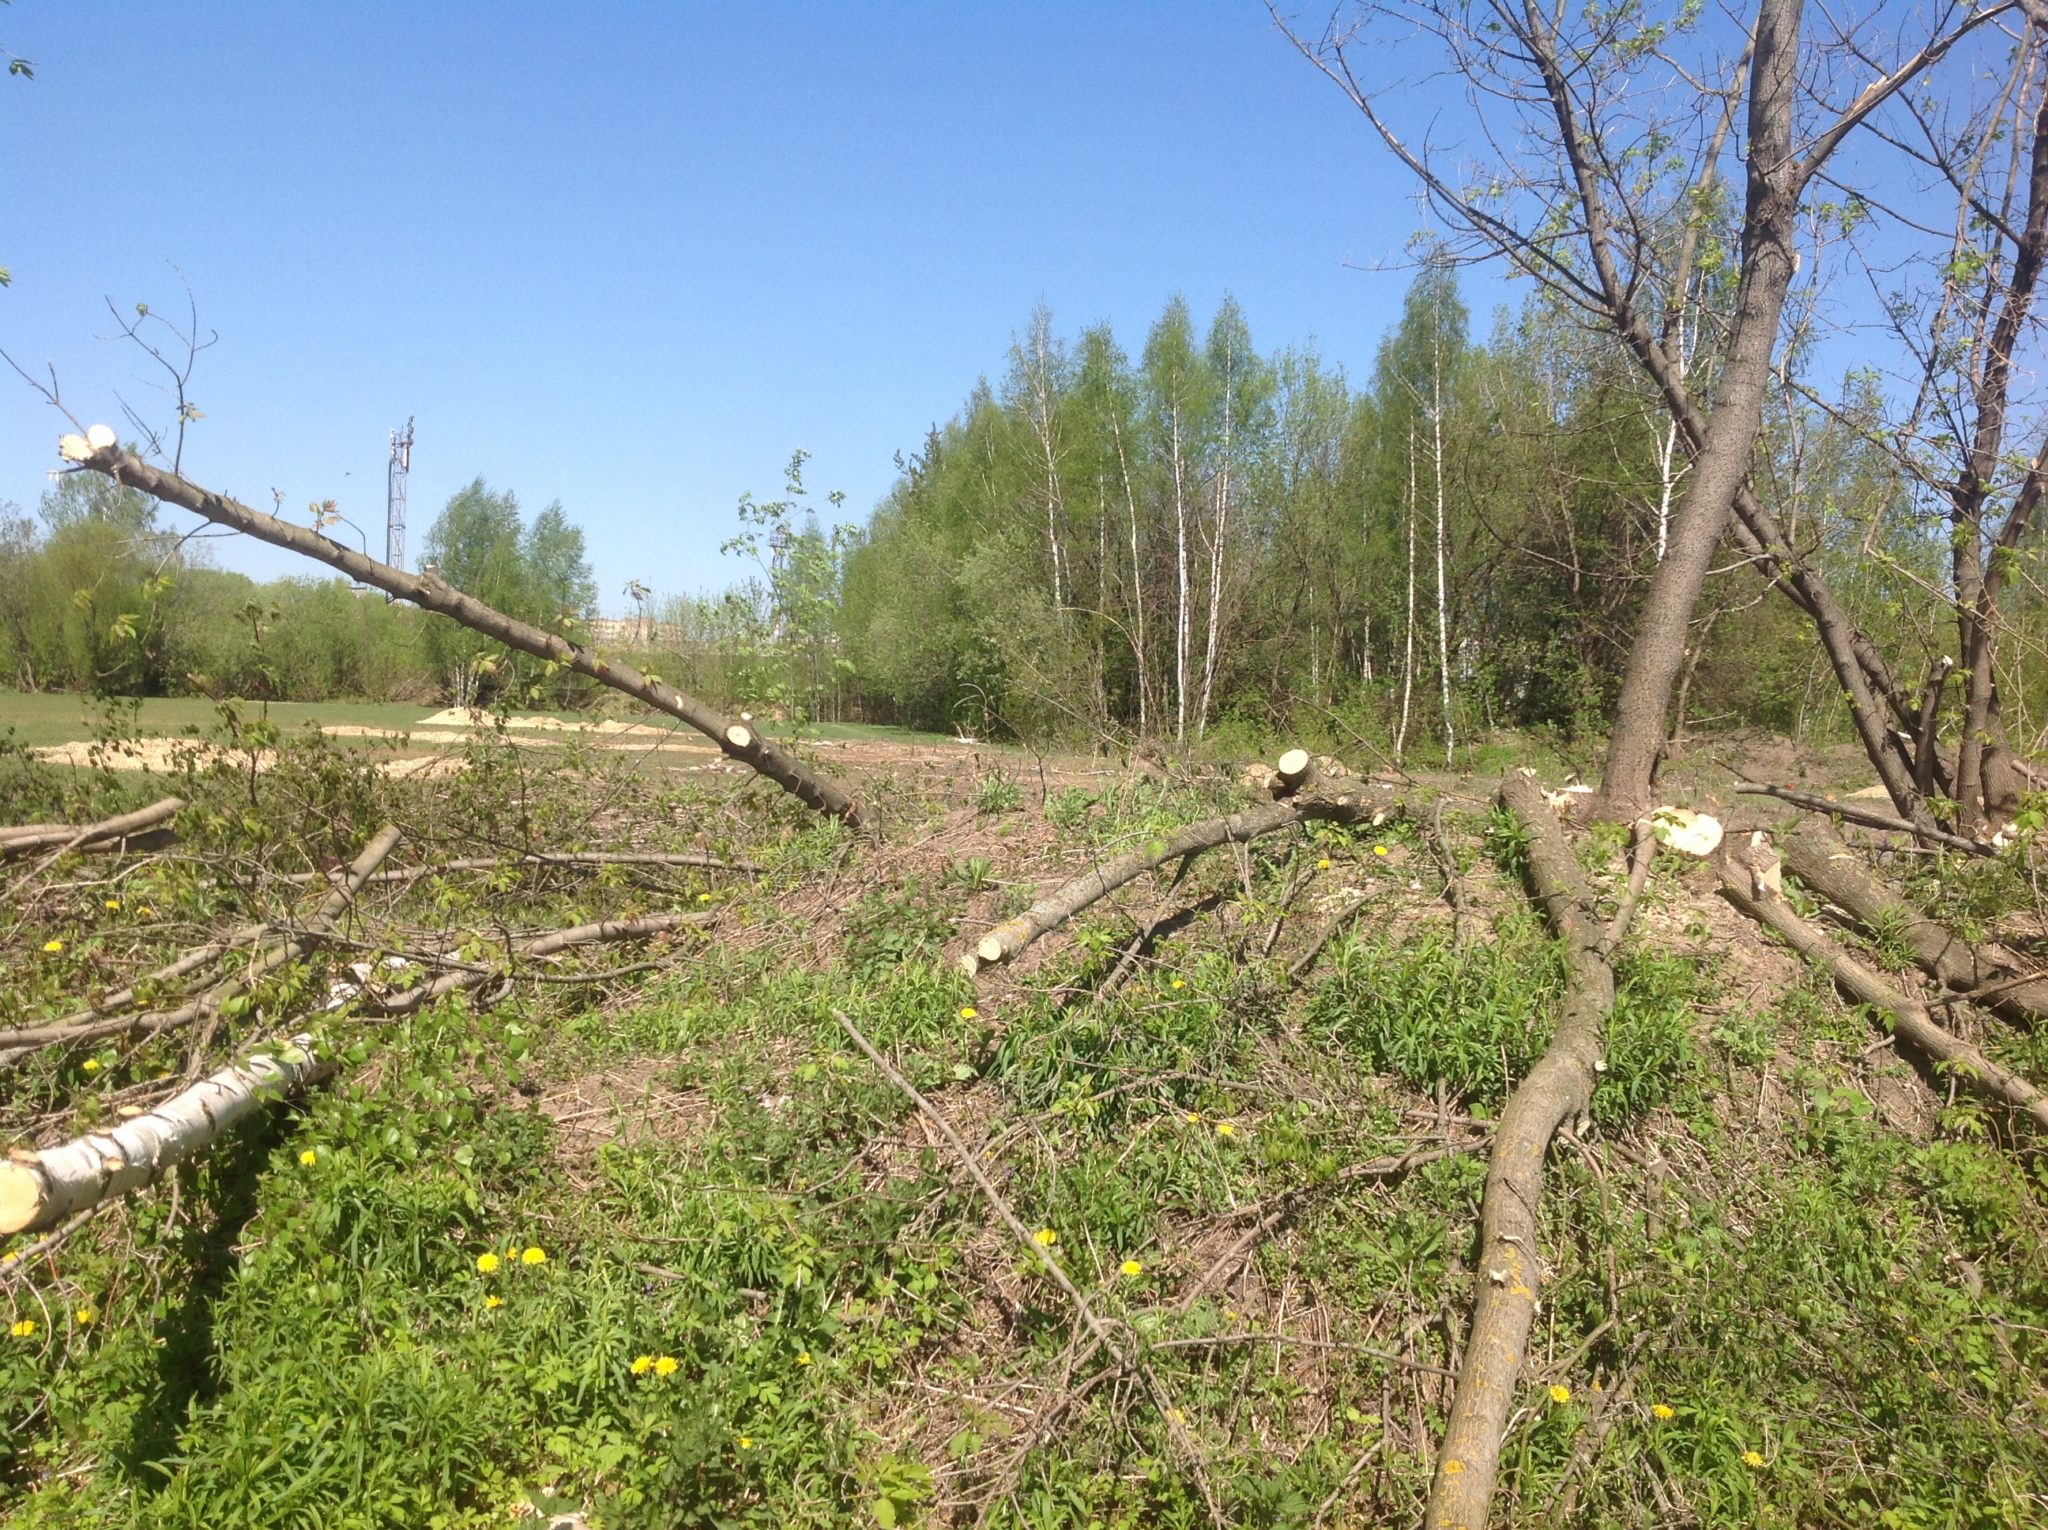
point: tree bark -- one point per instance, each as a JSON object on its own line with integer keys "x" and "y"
{"x": 1817, "y": 855}
{"x": 108, "y": 834}
{"x": 1912, "y": 1022}
{"x": 1721, "y": 469}
{"x": 431, "y": 593}
{"x": 40, "y": 1189}
{"x": 1558, "y": 1088}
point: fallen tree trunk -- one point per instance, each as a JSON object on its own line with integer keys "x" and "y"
{"x": 86, "y": 1027}
{"x": 1558, "y": 1088}
{"x": 1817, "y": 855}
{"x": 108, "y": 834}
{"x": 1339, "y": 799}
{"x": 1747, "y": 885}
{"x": 410, "y": 999}
{"x": 40, "y": 1189}
{"x": 432, "y": 593}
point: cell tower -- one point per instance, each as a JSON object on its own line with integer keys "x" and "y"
{"x": 394, "y": 497}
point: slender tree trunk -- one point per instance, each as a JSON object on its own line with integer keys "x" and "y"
{"x": 1137, "y": 583}
{"x": 1182, "y": 626}
{"x": 1443, "y": 620}
{"x": 1212, "y": 655}
{"x": 1408, "y": 651}
{"x": 1722, "y": 467}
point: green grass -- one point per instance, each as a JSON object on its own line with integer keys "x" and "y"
{"x": 61, "y": 717}
{"x": 768, "y": 1297}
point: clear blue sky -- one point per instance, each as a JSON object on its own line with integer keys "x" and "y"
{"x": 630, "y": 257}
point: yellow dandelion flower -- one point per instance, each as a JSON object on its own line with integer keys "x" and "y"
{"x": 1176, "y": 1415}
{"x": 1752, "y": 1458}
{"x": 665, "y": 1366}
{"x": 1045, "y": 1237}
{"x": 91, "y": 1065}
{"x": 1379, "y": 849}
{"x": 486, "y": 1263}
{"x": 1662, "y": 1411}
{"x": 24, "y": 1328}
{"x": 53, "y": 946}
{"x": 87, "y": 1314}
{"x": 1323, "y": 864}
{"x": 703, "y": 897}
{"x": 114, "y": 903}
{"x": 641, "y": 1365}
{"x": 145, "y": 911}
{"x": 1132, "y": 1268}
{"x": 746, "y": 1442}
{"x": 1230, "y": 1314}
{"x": 1178, "y": 983}
{"x": 309, "y": 1158}
{"x": 967, "y": 1012}
{"x": 1225, "y": 1129}
{"x": 1194, "y": 1118}
{"x": 1560, "y": 1395}
{"x": 803, "y": 1357}
{"x": 533, "y": 1256}
{"x": 491, "y": 1303}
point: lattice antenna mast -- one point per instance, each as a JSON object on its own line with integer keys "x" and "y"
{"x": 394, "y": 497}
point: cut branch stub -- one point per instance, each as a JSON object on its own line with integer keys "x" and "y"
{"x": 39, "y": 1189}
{"x": 432, "y": 593}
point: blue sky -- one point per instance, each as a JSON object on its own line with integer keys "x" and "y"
{"x": 631, "y": 258}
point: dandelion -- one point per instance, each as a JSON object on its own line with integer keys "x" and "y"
{"x": 1179, "y": 983}
{"x": 309, "y": 1158}
{"x": 1230, "y": 1314}
{"x": 703, "y": 897}
{"x": 803, "y": 1357}
{"x": 1560, "y": 1395}
{"x": 1132, "y": 1268}
{"x": 1225, "y": 1129}
{"x": 114, "y": 904}
{"x": 1662, "y": 1411}
{"x": 967, "y": 1012}
{"x": 86, "y": 1314}
{"x": 1752, "y": 1458}
{"x": 1045, "y": 1237}
{"x": 641, "y": 1365}
{"x": 24, "y": 1328}
{"x": 1323, "y": 864}
{"x": 533, "y": 1256}
{"x": 486, "y": 1263}
{"x": 91, "y": 1065}
{"x": 145, "y": 911}
{"x": 53, "y": 946}
{"x": 1379, "y": 849}
{"x": 492, "y": 1303}
{"x": 1194, "y": 1118}
{"x": 746, "y": 1442}
{"x": 1176, "y": 1415}
{"x": 665, "y": 1366}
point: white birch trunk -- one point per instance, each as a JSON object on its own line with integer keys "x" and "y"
{"x": 39, "y": 1189}
{"x": 1213, "y": 652}
{"x": 1137, "y": 576}
{"x": 1443, "y": 620}
{"x": 1182, "y": 627}
{"x": 1408, "y": 647}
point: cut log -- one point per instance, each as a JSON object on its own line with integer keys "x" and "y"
{"x": 1291, "y": 769}
{"x": 1745, "y": 884}
{"x": 432, "y": 593}
{"x": 40, "y": 1189}
{"x": 1817, "y": 855}
{"x": 115, "y": 833}
{"x": 1345, "y": 799}
{"x": 1558, "y": 1088}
